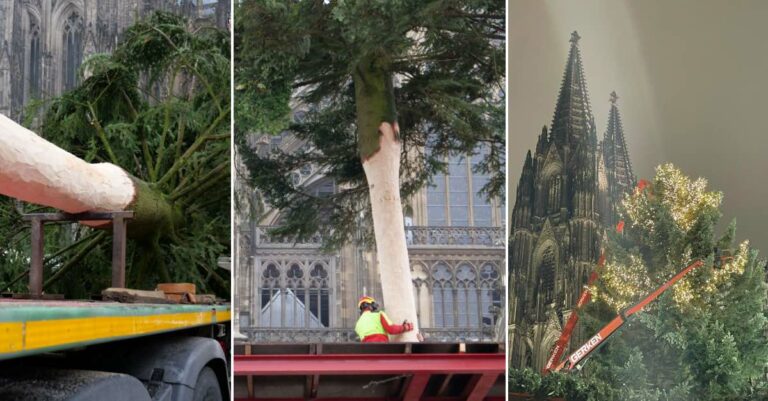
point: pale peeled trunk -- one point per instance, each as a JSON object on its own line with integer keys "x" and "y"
{"x": 382, "y": 170}
{"x": 37, "y": 171}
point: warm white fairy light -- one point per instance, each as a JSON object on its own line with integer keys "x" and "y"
{"x": 625, "y": 281}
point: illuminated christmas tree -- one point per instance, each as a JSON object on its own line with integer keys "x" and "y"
{"x": 704, "y": 339}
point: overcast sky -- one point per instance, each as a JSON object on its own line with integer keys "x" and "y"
{"x": 692, "y": 80}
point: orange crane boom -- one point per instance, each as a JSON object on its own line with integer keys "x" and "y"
{"x": 565, "y": 336}
{"x": 599, "y": 339}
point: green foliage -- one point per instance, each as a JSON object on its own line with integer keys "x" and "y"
{"x": 14, "y": 245}
{"x": 159, "y": 107}
{"x": 704, "y": 339}
{"x": 443, "y": 58}
{"x": 558, "y": 385}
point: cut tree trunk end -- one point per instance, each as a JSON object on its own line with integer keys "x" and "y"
{"x": 382, "y": 170}
{"x": 37, "y": 171}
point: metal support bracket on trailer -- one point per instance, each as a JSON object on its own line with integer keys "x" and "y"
{"x": 119, "y": 221}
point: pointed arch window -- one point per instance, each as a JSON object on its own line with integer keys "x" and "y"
{"x": 490, "y": 294}
{"x": 270, "y": 290}
{"x": 319, "y": 299}
{"x": 458, "y": 191}
{"x": 442, "y": 296}
{"x": 35, "y": 62}
{"x": 436, "y": 202}
{"x": 456, "y": 199}
{"x": 296, "y": 295}
{"x": 554, "y": 184}
{"x": 296, "y": 316}
{"x": 547, "y": 271}
{"x": 73, "y": 49}
{"x": 481, "y": 205}
{"x": 465, "y": 297}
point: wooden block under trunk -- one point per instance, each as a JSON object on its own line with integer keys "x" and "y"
{"x": 127, "y": 295}
{"x": 179, "y": 292}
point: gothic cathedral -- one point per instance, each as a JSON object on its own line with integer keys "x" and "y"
{"x": 44, "y": 42}
{"x": 568, "y": 194}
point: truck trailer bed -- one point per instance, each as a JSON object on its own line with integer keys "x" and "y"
{"x": 30, "y": 327}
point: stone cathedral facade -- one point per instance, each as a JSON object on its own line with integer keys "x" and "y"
{"x": 44, "y": 42}
{"x": 567, "y": 196}
{"x": 291, "y": 291}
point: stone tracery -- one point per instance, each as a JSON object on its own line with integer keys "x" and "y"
{"x": 43, "y": 43}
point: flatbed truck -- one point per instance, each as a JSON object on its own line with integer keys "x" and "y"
{"x": 65, "y": 350}
{"x": 84, "y": 351}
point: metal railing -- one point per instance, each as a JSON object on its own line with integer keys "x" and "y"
{"x": 335, "y": 335}
{"x": 416, "y": 236}
{"x": 454, "y": 236}
{"x": 290, "y": 335}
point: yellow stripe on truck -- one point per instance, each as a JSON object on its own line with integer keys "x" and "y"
{"x": 11, "y": 337}
{"x": 42, "y": 334}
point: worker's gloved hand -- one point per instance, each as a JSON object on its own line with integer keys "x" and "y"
{"x": 407, "y": 326}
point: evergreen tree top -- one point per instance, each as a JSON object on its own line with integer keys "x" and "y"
{"x": 445, "y": 59}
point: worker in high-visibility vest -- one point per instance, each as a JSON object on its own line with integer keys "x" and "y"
{"x": 374, "y": 326}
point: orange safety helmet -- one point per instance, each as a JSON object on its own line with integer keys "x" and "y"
{"x": 365, "y": 300}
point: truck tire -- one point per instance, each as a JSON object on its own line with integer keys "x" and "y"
{"x": 207, "y": 386}
{"x": 18, "y": 382}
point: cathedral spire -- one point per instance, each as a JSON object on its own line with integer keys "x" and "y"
{"x": 521, "y": 212}
{"x": 543, "y": 142}
{"x": 525, "y": 186}
{"x": 573, "y": 121}
{"x": 617, "y": 164}
{"x": 528, "y": 160}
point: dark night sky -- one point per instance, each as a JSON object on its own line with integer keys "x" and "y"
{"x": 692, "y": 80}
